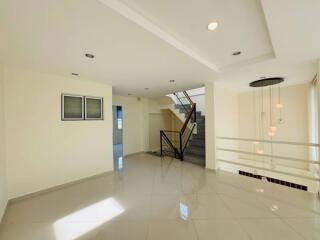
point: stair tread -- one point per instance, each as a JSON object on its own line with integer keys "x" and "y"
{"x": 195, "y": 151}
{"x": 199, "y": 160}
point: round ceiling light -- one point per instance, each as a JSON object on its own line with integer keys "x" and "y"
{"x": 213, "y": 26}
{"x": 89, "y": 55}
{"x": 237, "y": 53}
{"x": 266, "y": 82}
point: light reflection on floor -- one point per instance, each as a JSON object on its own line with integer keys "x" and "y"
{"x": 120, "y": 162}
{"x": 184, "y": 211}
{"x": 89, "y": 218}
{"x": 118, "y": 156}
{"x": 151, "y": 198}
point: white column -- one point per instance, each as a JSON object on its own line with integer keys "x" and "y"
{"x": 210, "y": 127}
{"x": 318, "y": 119}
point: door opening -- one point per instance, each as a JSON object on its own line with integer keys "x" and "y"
{"x": 117, "y": 136}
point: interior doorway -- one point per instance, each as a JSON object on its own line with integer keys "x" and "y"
{"x": 117, "y": 135}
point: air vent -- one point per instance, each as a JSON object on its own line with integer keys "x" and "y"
{"x": 274, "y": 180}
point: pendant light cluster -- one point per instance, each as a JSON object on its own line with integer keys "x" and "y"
{"x": 262, "y": 103}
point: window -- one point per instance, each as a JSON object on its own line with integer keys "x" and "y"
{"x": 72, "y": 107}
{"x": 119, "y": 117}
{"x": 76, "y": 107}
{"x": 94, "y": 108}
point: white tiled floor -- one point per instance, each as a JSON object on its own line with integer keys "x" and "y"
{"x": 150, "y": 198}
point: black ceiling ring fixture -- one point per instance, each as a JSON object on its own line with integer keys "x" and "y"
{"x": 266, "y": 82}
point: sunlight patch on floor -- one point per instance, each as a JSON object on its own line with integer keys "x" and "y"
{"x": 87, "y": 219}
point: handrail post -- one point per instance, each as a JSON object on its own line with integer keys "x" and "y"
{"x": 181, "y": 152}
{"x": 161, "y": 152}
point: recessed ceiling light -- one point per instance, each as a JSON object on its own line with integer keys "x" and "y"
{"x": 75, "y": 74}
{"x": 89, "y": 55}
{"x": 171, "y": 81}
{"x": 236, "y": 53}
{"x": 213, "y": 26}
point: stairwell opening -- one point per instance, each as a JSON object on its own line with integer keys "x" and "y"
{"x": 188, "y": 142}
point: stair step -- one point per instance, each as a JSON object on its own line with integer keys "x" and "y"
{"x": 195, "y": 159}
{"x": 196, "y": 148}
{"x": 201, "y": 131}
{"x": 197, "y": 151}
{"x": 178, "y": 106}
{"x": 197, "y": 143}
{"x": 198, "y": 115}
{"x": 198, "y": 138}
{"x": 199, "y": 120}
{"x": 199, "y": 135}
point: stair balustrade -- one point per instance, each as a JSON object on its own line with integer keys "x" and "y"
{"x": 174, "y": 143}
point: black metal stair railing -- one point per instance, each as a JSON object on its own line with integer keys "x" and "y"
{"x": 174, "y": 143}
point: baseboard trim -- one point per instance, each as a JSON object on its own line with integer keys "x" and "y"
{"x": 4, "y": 211}
{"x": 212, "y": 170}
{"x": 136, "y": 153}
{"x": 58, "y": 187}
{"x": 155, "y": 150}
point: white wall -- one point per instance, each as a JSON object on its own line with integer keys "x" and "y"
{"x": 142, "y": 121}
{"x": 158, "y": 121}
{"x": 226, "y": 116}
{"x": 235, "y": 117}
{"x": 221, "y": 107}
{"x": 3, "y": 175}
{"x": 295, "y": 127}
{"x": 211, "y": 162}
{"x": 161, "y": 120}
{"x": 43, "y": 151}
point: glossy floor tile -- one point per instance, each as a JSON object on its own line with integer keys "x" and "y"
{"x": 149, "y": 198}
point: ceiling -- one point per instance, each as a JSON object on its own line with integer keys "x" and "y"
{"x": 242, "y": 27}
{"x": 142, "y": 44}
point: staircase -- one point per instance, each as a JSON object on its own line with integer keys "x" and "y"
{"x": 195, "y": 151}
{"x": 188, "y": 144}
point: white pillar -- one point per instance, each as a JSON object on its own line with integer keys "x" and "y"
{"x": 210, "y": 127}
{"x": 318, "y": 119}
